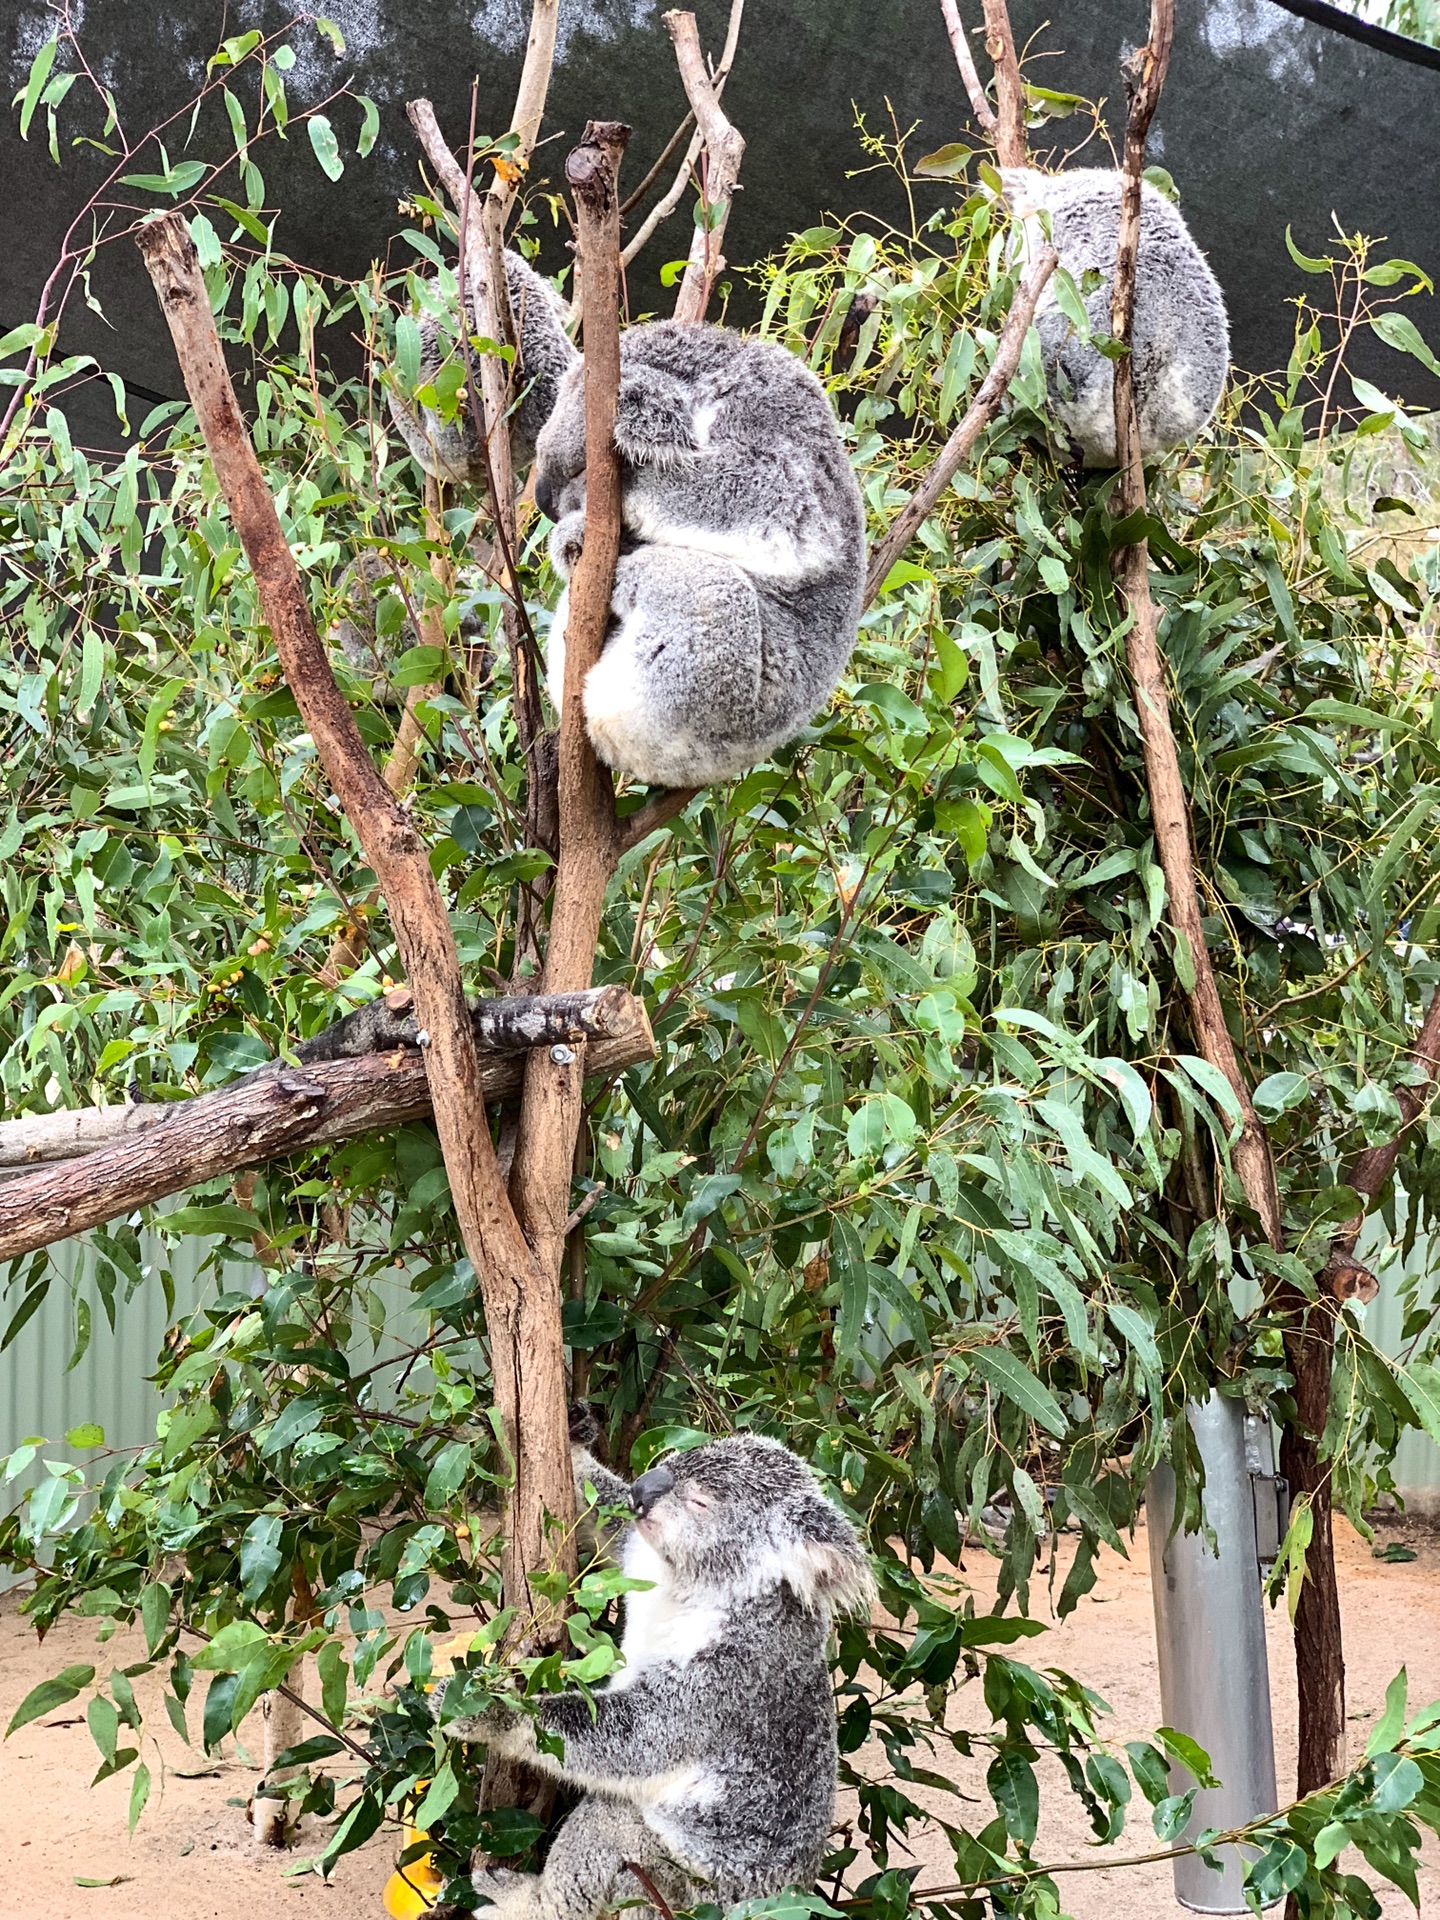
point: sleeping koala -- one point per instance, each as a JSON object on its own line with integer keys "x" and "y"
{"x": 709, "y": 1760}
{"x": 450, "y": 449}
{"x": 1181, "y": 338}
{"x": 738, "y": 593}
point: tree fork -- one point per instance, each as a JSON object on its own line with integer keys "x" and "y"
{"x": 520, "y": 1298}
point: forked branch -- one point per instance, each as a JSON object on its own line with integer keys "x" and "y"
{"x": 667, "y": 204}
{"x": 723, "y": 150}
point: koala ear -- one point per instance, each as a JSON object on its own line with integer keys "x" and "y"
{"x": 1023, "y": 188}
{"x": 654, "y": 423}
{"x": 829, "y": 1572}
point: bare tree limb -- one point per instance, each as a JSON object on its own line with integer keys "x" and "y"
{"x": 978, "y": 415}
{"x": 969, "y": 73}
{"x": 1011, "y": 148}
{"x": 724, "y": 150}
{"x": 551, "y": 1112}
{"x": 154, "y": 1151}
{"x": 504, "y": 1264}
{"x": 665, "y": 206}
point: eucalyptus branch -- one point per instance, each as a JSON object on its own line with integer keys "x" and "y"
{"x": 667, "y": 204}
{"x": 724, "y": 149}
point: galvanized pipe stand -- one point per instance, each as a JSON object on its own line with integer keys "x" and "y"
{"x": 1210, "y": 1633}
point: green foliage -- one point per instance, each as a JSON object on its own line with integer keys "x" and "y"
{"x": 921, "y": 1177}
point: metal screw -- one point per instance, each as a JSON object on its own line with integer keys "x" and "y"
{"x": 422, "y": 1037}
{"x": 562, "y": 1056}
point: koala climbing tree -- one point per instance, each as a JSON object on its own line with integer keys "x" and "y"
{"x": 709, "y": 1761}
{"x": 1179, "y": 354}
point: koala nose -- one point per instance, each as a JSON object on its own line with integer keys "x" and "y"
{"x": 649, "y": 1488}
{"x": 544, "y": 496}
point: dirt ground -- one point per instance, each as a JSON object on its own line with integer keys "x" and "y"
{"x": 191, "y": 1857}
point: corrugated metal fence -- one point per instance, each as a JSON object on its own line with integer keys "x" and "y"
{"x": 111, "y": 1384}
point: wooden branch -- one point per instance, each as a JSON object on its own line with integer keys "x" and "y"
{"x": 155, "y": 1151}
{"x": 724, "y": 150}
{"x": 550, "y": 1115}
{"x": 502, "y": 1259}
{"x": 509, "y": 1025}
{"x": 655, "y": 813}
{"x": 964, "y": 59}
{"x": 978, "y": 415}
{"x": 1011, "y": 148}
{"x": 665, "y": 206}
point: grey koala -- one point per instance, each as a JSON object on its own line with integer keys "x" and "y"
{"x": 738, "y": 593}
{"x": 1181, "y": 343}
{"x": 709, "y": 1760}
{"x": 451, "y": 450}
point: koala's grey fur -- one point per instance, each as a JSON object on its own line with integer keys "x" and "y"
{"x": 451, "y": 450}
{"x": 709, "y": 1760}
{"x": 1181, "y": 341}
{"x": 738, "y": 593}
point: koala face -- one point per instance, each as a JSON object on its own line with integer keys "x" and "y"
{"x": 745, "y": 1514}
{"x": 560, "y": 450}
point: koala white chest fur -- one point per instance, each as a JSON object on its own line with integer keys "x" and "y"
{"x": 710, "y": 1759}
{"x": 1181, "y": 337}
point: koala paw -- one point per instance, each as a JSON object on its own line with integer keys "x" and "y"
{"x": 567, "y": 543}
{"x": 510, "y": 1894}
{"x": 584, "y": 1423}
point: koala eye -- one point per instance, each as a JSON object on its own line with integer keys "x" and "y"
{"x": 696, "y": 1497}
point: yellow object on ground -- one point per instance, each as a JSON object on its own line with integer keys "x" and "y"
{"x": 413, "y": 1890}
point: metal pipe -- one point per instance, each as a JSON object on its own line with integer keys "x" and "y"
{"x": 1210, "y": 1634}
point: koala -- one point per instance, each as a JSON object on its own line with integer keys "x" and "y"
{"x": 738, "y": 593}
{"x": 451, "y": 450}
{"x": 1181, "y": 337}
{"x": 709, "y": 1760}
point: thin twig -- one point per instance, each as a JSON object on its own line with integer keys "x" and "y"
{"x": 978, "y": 415}
{"x": 632, "y": 200}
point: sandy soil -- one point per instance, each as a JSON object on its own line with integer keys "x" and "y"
{"x": 191, "y": 1857}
